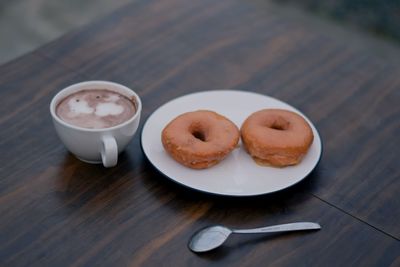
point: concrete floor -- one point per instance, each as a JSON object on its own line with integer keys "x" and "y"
{"x": 27, "y": 24}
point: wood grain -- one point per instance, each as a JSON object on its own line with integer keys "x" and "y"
{"x": 58, "y": 211}
{"x": 351, "y": 96}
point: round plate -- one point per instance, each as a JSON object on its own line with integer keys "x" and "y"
{"x": 238, "y": 174}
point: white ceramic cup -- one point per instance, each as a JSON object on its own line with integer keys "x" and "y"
{"x": 96, "y": 145}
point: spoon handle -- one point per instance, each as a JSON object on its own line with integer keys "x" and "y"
{"x": 298, "y": 226}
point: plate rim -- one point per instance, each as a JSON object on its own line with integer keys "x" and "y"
{"x": 227, "y": 194}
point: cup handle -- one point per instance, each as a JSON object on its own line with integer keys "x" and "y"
{"x": 109, "y": 151}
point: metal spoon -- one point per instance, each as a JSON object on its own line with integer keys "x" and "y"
{"x": 212, "y": 237}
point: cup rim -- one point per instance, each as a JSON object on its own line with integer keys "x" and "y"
{"x": 65, "y": 91}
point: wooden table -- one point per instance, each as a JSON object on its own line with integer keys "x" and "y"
{"x": 57, "y": 211}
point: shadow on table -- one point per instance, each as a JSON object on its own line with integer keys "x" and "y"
{"x": 79, "y": 181}
{"x": 239, "y": 241}
{"x": 290, "y": 205}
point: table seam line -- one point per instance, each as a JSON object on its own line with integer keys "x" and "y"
{"x": 355, "y": 217}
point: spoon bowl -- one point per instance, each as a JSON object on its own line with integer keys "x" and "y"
{"x": 209, "y": 238}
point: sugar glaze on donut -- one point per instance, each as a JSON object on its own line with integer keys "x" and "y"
{"x": 276, "y": 137}
{"x": 200, "y": 139}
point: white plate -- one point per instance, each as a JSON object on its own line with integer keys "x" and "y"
{"x": 238, "y": 174}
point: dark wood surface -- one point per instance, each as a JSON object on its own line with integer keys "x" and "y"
{"x": 58, "y": 211}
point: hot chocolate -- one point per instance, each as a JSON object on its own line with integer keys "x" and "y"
{"x": 96, "y": 108}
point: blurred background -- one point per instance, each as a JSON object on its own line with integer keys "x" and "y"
{"x": 372, "y": 25}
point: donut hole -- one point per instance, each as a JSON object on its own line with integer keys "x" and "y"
{"x": 279, "y": 124}
{"x": 198, "y": 134}
{"x": 199, "y": 130}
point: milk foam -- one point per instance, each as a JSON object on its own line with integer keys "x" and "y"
{"x": 105, "y": 109}
{"x": 77, "y": 107}
{"x": 97, "y": 108}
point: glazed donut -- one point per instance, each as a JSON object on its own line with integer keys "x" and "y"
{"x": 200, "y": 139}
{"x": 276, "y": 137}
